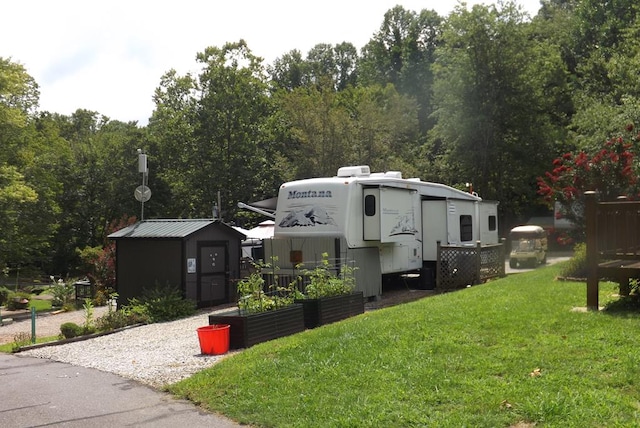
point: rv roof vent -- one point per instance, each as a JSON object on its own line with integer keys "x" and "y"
{"x": 393, "y": 174}
{"x": 354, "y": 171}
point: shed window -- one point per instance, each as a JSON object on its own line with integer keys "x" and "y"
{"x": 493, "y": 223}
{"x": 466, "y": 228}
{"x": 370, "y": 205}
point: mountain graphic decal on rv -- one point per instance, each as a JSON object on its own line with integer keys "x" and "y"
{"x": 405, "y": 226}
{"x": 312, "y": 217}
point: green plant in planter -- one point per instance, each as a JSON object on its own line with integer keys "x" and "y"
{"x": 253, "y": 298}
{"x": 323, "y": 283}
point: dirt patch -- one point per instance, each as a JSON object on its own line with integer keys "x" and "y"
{"x": 398, "y": 293}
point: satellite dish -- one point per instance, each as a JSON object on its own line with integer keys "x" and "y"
{"x": 142, "y": 193}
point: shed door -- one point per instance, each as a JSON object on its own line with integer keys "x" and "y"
{"x": 213, "y": 273}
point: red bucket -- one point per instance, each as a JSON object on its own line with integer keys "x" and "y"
{"x": 214, "y": 339}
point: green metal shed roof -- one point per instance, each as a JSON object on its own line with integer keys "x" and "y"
{"x": 165, "y": 228}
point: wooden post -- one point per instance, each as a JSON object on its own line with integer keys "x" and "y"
{"x": 592, "y": 250}
{"x": 478, "y": 262}
{"x": 625, "y": 289}
{"x": 503, "y": 257}
{"x": 438, "y": 267}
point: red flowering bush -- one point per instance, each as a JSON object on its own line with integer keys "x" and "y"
{"x": 611, "y": 172}
{"x": 102, "y": 262}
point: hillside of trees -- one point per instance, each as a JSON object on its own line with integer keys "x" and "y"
{"x": 487, "y": 95}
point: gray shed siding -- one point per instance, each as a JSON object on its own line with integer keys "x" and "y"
{"x": 204, "y": 264}
{"x": 147, "y": 263}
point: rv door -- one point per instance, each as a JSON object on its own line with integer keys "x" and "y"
{"x": 390, "y": 215}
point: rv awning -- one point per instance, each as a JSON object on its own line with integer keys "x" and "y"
{"x": 266, "y": 204}
{"x": 263, "y": 231}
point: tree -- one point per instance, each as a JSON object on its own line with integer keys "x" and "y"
{"x": 402, "y": 53}
{"x": 288, "y": 71}
{"x": 172, "y": 144}
{"x": 606, "y": 55}
{"x": 211, "y": 132}
{"x": 27, "y": 192}
{"x": 319, "y": 127}
{"x": 610, "y": 171}
{"x": 326, "y": 65}
{"x": 97, "y": 174}
{"x": 363, "y": 125}
{"x": 233, "y": 110}
{"x": 492, "y": 96}
{"x": 15, "y": 196}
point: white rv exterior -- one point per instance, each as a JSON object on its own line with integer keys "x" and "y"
{"x": 383, "y": 223}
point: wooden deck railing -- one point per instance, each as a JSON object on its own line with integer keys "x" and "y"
{"x": 458, "y": 266}
{"x": 613, "y": 244}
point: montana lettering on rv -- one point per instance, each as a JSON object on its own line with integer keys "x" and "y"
{"x": 294, "y": 194}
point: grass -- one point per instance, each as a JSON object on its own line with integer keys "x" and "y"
{"x": 40, "y": 305}
{"x": 508, "y": 353}
{"x": 8, "y": 348}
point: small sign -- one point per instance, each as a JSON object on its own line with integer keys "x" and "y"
{"x": 295, "y": 257}
{"x": 191, "y": 265}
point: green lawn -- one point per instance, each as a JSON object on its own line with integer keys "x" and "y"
{"x": 40, "y": 305}
{"x": 496, "y": 355}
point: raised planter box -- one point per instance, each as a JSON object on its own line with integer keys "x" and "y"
{"x": 250, "y": 329}
{"x": 326, "y": 310}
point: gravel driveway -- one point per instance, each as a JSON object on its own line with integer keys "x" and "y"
{"x": 155, "y": 354}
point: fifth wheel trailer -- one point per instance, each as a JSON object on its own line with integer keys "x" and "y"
{"x": 381, "y": 223}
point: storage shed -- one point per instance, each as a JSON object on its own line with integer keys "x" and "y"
{"x": 201, "y": 257}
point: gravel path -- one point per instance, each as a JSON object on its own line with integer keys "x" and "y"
{"x": 155, "y": 354}
{"x": 47, "y": 325}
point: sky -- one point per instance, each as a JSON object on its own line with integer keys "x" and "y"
{"x": 109, "y": 57}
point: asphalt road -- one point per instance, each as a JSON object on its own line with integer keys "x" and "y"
{"x": 38, "y": 393}
{"x": 552, "y": 258}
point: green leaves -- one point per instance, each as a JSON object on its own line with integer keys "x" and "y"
{"x": 324, "y": 283}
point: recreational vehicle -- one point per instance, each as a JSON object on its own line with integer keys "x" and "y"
{"x": 381, "y": 223}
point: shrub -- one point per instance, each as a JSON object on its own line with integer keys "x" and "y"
{"x": 17, "y": 300}
{"x": 62, "y": 292}
{"x": 88, "y": 326}
{"x": 119, "y": 319}
{"x": 162, "y": 304}
{"x": 4, "y": 295}
{"x": 20, "y": 340}
{"x": 70, "y": 330}
{"x": 576, "y": 267}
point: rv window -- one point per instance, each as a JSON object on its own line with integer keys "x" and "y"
{"x": 369, "y": 205}
{"x": 466, "y": 228}
{"x": 493, "y": 223}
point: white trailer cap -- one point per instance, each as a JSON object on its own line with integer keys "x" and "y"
{"x": 354, "y": 171}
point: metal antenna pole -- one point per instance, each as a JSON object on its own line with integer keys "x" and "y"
{"x": 142, "y": 201}
{"x": 142, "y": 193}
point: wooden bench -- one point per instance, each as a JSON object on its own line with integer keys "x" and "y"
{"x": 613, "y": 244}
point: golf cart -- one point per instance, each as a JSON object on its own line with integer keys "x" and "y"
{"x": 528, "y": 246}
